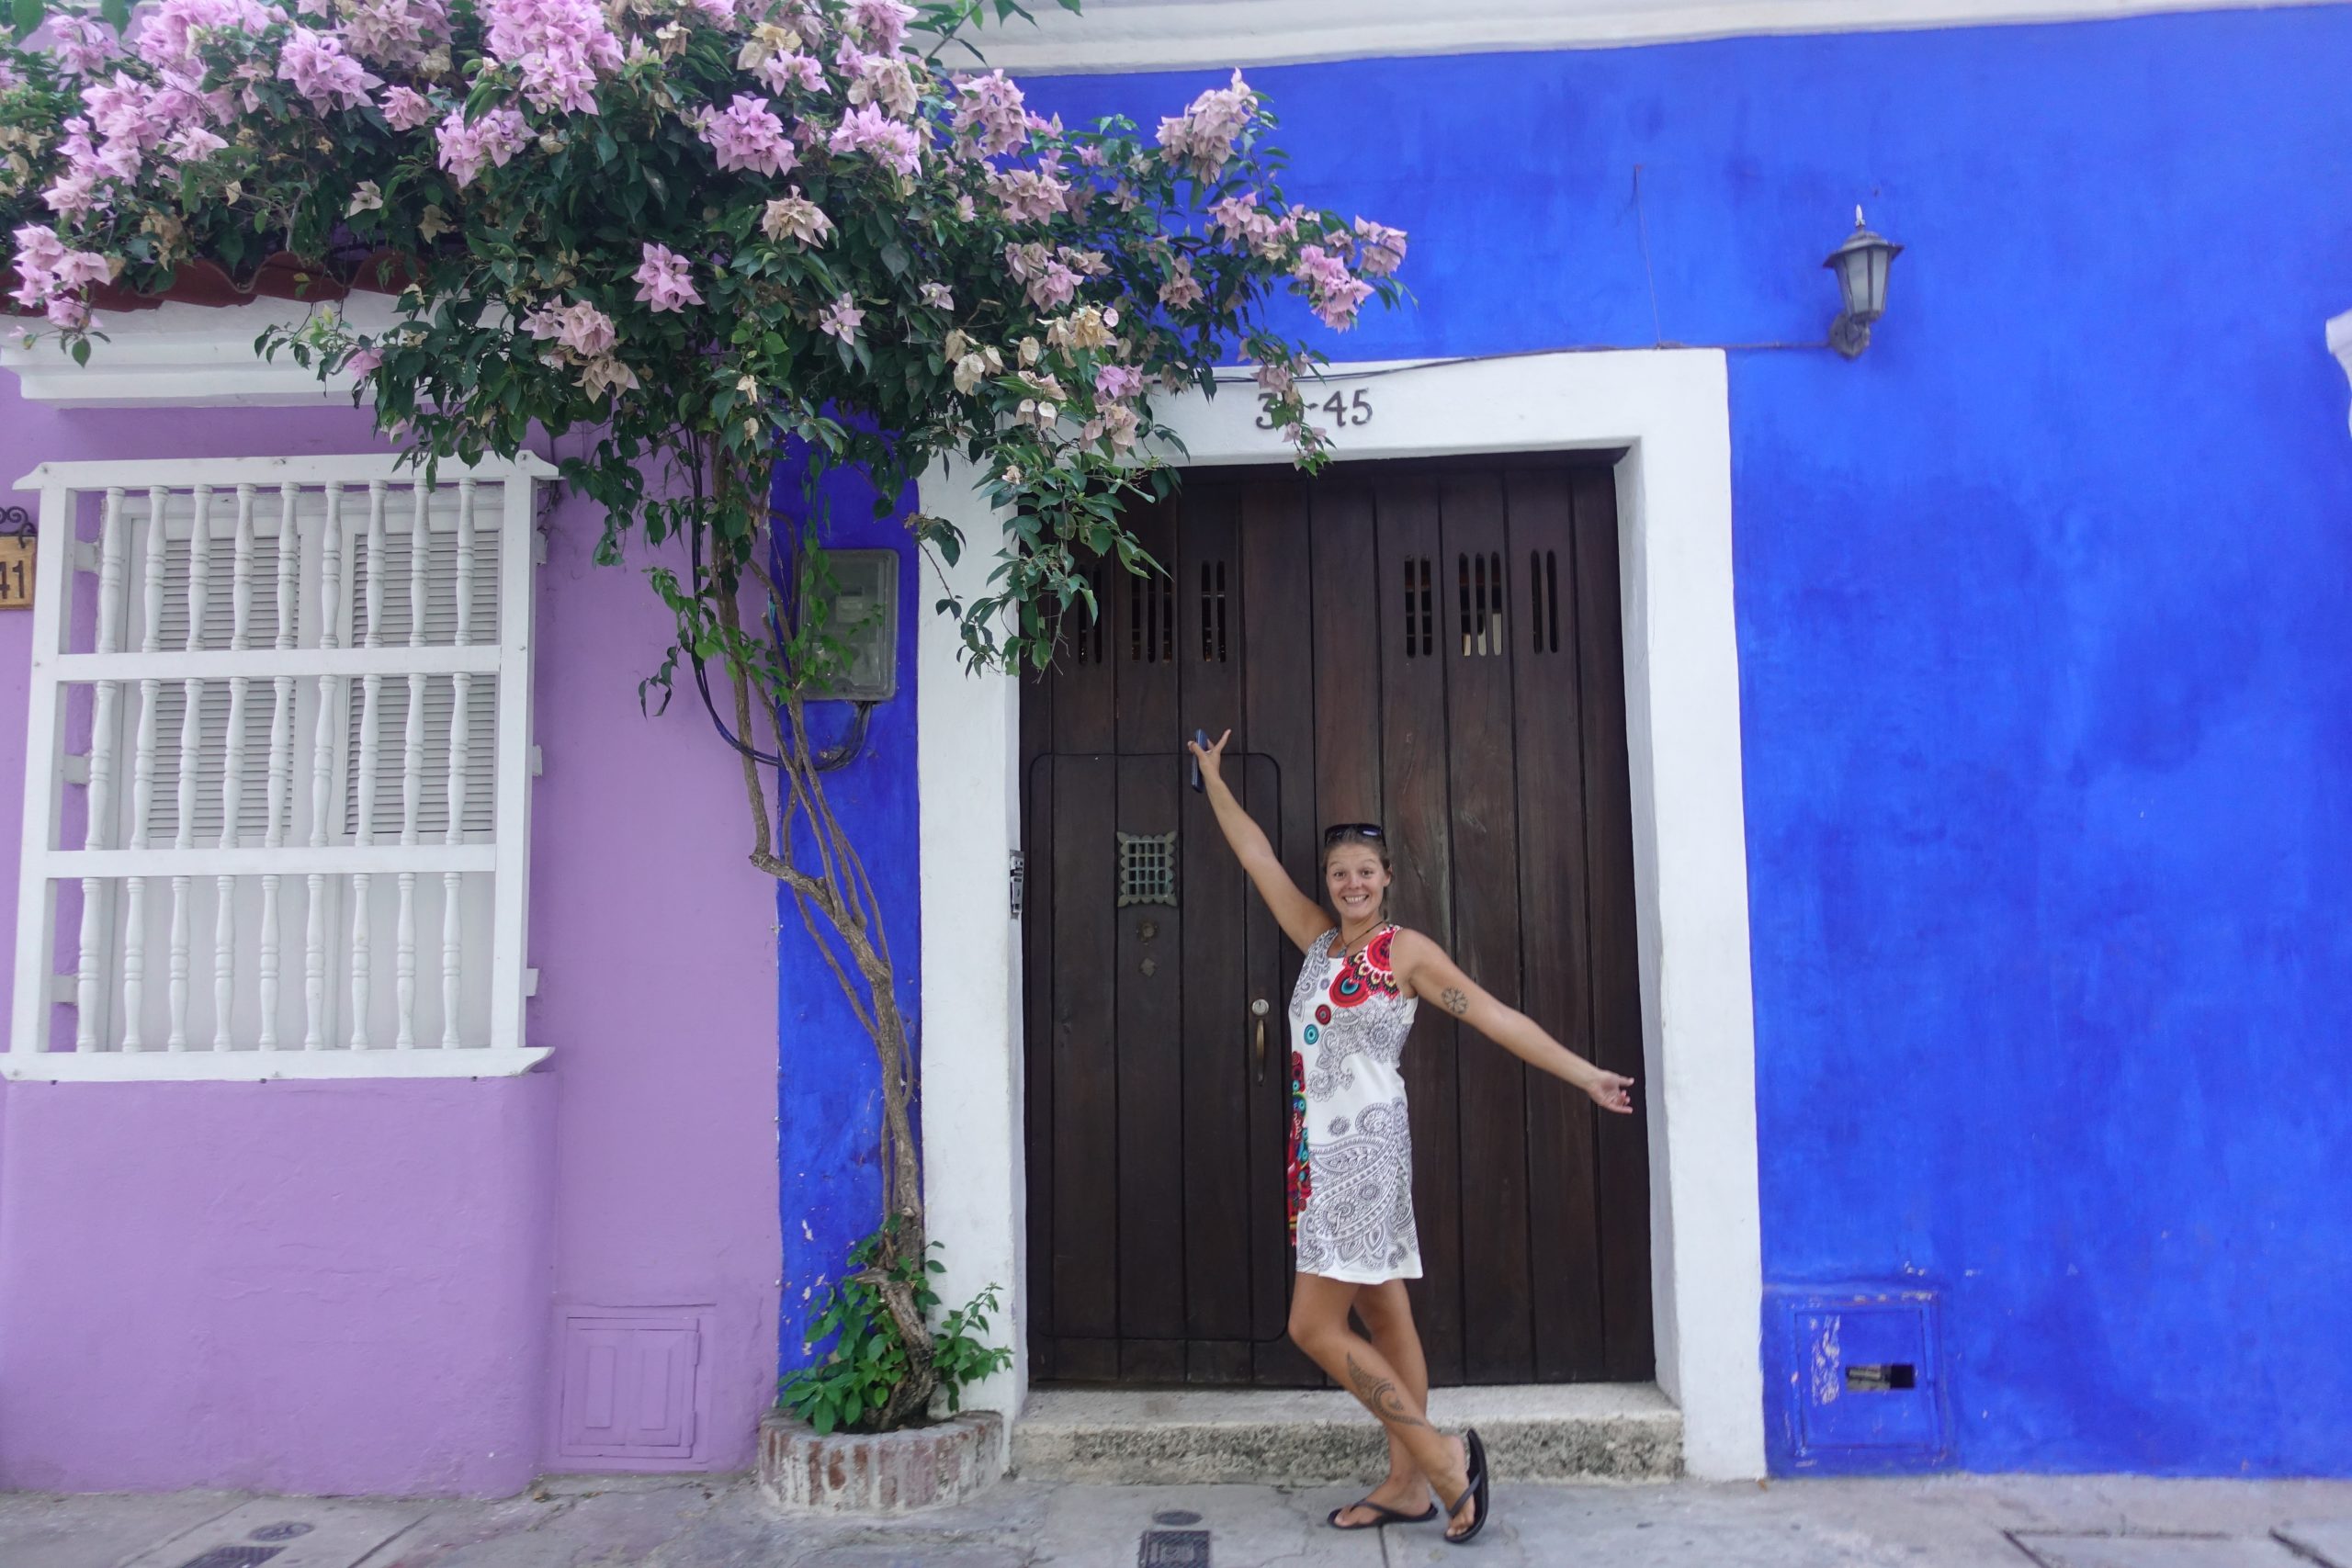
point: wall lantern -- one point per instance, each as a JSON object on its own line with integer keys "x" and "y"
{"x": 1861, "y": 264}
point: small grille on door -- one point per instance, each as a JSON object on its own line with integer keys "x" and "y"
{"x": 1212, "y": 645}
{"x": 1421, "y": 618}
{"x": 1086, "y": 643}
{"x": 1544, "y": 598}
{"x": 1151, "y": 619}
{"x": 1147, "y": 868}
{"x": 1480, "y": 580}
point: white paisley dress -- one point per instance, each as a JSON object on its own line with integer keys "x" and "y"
{"x": 1351, "y": 1144}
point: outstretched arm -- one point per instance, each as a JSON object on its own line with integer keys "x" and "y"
{"x": 1301, "y": 918}
{"x": 1424, "y": 965}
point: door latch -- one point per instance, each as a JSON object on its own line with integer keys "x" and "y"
{"x": 1020, "y": 881}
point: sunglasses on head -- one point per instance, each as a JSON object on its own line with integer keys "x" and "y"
{"x": 1339, "y": 830}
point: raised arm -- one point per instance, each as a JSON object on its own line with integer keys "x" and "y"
{"x": 1425, "y": 967}
{"x": 1301, "y": 918}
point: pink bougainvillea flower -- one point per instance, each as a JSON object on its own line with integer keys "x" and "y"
{"x": 192, "y": 145}
{"x": 885, "y": 81}
{"x": 600, "y": 375}
{"x": 780, "y": 73}
{"x": 747, "y": 135}
{"x": 842, "y": 319}
{"x": 794, "y": 216}
{"x": 494, "y": 139}
{"x": 559, "y": 47}
{"x": 1383, "y": 248}
{"x": 1118, "y": 382}
{"x": 83, "y": 44}
{"x": 405, "y": 108}
{"x": 665, "y": 279}
{"x": 314, "y": 61}
{"x": 1200, "y": 139}
{"x": 880, "y": 23}
{"x": 1181, "y": 290}
{"x": 396, "y": 32}
{"x": 581, "y": 327}
{"x": 988, "y": 114}
{"x": 1333, "y": 292}
{"x": 64, "y": 310}
{"x": 938, "y": 297}
{"x": 363, "y": 360}
{"x": 889, "y": 144}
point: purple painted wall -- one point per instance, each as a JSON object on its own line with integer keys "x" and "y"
{"x": 352, "y": 1287}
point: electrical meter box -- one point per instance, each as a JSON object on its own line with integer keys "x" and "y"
{"x": 865, "y": 621}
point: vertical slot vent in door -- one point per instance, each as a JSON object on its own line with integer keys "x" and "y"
{"x": 1086, "y": 643}
{"x": 1544, "y": 598}
{"x": 1213, "y": 646}
{"x": 1479, "y": 579}
{"x": 1421, "y": 630}
{"x": 1151, "y": 619}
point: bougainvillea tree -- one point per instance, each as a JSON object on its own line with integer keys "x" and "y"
{"x": 706, "y": 238}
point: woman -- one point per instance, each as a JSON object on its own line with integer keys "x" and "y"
{"x": 1351, "y": 1160}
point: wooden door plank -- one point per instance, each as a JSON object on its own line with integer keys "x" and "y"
{"x": 1419, "y": 819}
{"x": 1149, "y": 979}
{"x": 1085, "y": 1097}
{"x": 1498, "y": 1326}
{"x": 1629, "y": 1350}
{"x": 1215, "y": 985}
{"x": 1037, "y": 1038}
{"x": 1278, "y": 711}
{"x": 1555, "y": 953}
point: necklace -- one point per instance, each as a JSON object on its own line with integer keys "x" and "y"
{"x": 1351, "y": 951}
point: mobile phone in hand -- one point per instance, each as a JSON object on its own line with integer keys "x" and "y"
{"x": 1200, "y": 738}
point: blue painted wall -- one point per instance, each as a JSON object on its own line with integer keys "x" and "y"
{"x": 2045, "y": 659}
{"x": 830, "y": 1087}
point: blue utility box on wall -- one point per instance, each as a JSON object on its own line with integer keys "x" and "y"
{"x": 1854, "y": 1380}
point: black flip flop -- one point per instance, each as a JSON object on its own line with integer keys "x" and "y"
{"x": 1387, "y": 1515}
{"x": 1478, "y": 1489}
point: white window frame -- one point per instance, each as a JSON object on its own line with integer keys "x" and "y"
{"x": 507, "y": 661}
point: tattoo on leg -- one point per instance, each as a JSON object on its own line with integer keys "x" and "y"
{"x": 1456, "y": 1002}
{"x": 1381, "y": 1395}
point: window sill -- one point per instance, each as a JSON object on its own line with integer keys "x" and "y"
{"x": 258, "y": 1066}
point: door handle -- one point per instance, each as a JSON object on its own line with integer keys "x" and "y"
{"x": 1258, "y": 1010}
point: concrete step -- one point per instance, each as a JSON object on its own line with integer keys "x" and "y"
{"x": 1311, "y": 1437}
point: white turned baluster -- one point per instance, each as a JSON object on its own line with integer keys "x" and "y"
{"x": 411, "y": 773}
{"x": 99, "y": 827}
{"x": 200, "y": 588}
{"x": 233, "y": 775}
{"x": 142, "y": 775}
{"x": 281, "y": 759}
{"x": 461, "y": 690}
{"x": 363, "y": 954}
{"x": 314, "y": 958}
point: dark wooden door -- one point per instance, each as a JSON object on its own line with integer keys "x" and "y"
{"x": 1434, "y": 646}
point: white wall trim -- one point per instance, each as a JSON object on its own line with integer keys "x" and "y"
{"x": 1670, "y": 412}
{"x": 181, "y": 355}
{"x": 1166, "y": 35}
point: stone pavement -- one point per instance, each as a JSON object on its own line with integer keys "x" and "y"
{"x": 722, "y": 1522}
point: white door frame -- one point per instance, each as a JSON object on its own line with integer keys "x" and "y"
{"x": 1669, "y": 411}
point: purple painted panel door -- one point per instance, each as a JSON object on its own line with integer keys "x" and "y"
{"x": 630, "y": 1386}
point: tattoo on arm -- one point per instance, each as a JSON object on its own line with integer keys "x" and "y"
{"x": 1454, "y": 1001}
{"x": 1379, "y": 1395}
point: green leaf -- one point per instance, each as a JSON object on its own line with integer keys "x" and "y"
{"x": 28, "y": 16}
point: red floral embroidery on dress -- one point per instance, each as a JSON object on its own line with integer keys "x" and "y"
{"x": 1366, "y": 974}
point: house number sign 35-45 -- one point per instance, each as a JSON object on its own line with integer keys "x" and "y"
{"x": 1345, "y": 408}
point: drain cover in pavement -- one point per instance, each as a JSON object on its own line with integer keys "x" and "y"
{"x": 2155, "y": 1551}
{"x": 233, "y": 1557}
{"x": 1173, "y": 1548}
{"x": 283, "y": 1533}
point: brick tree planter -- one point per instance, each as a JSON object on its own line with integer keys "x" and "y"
{"x": 879, "y": 1472}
